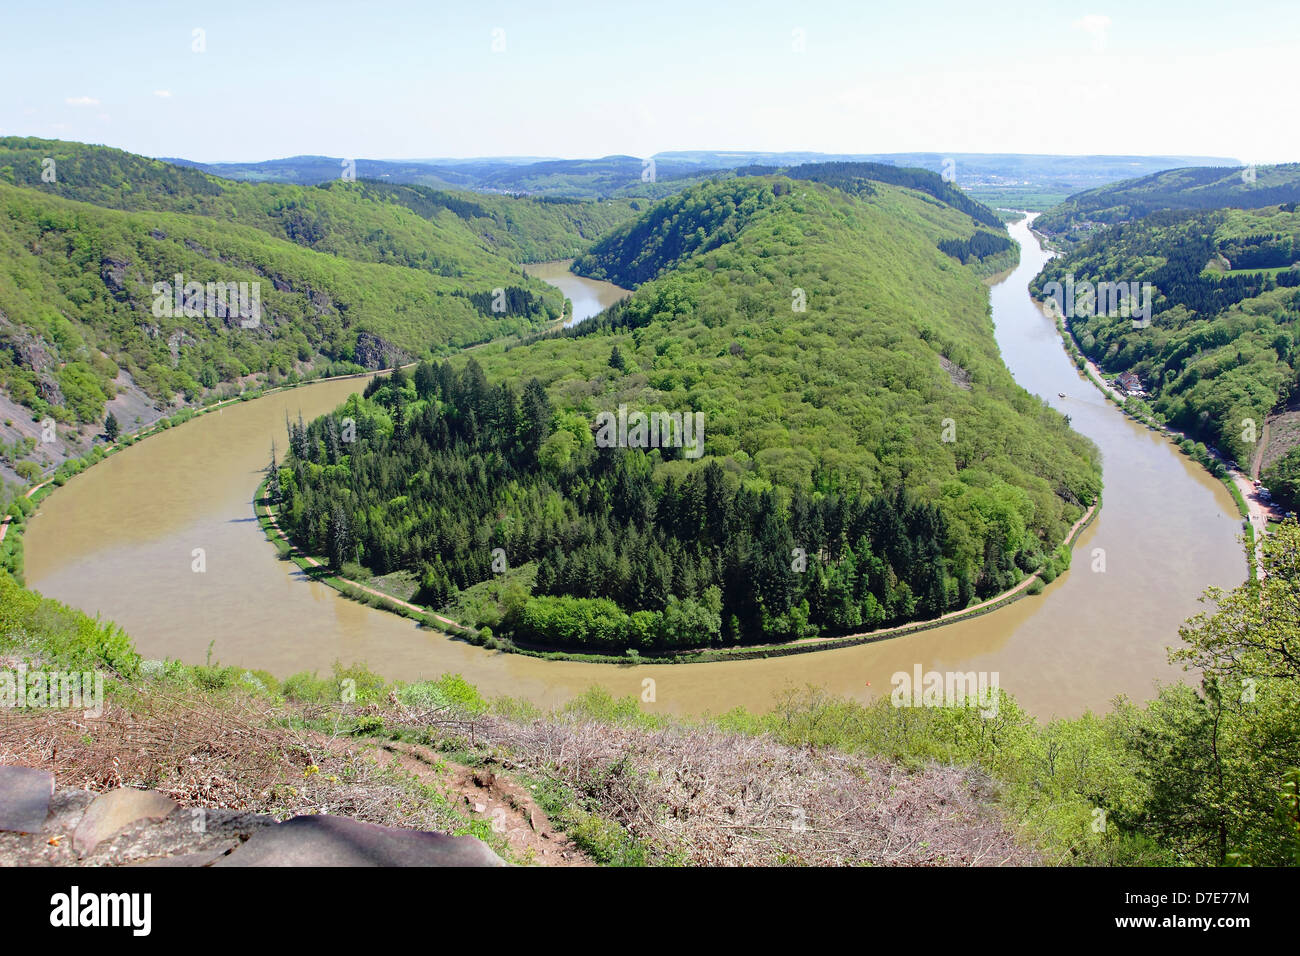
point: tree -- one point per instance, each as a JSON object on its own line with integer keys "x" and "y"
{"x": 1255, "y": 630}
{"x": 1216, "y": 762}
{"x": 111, "y": 427}
{"x": 340, "y": 542}
{"x": 536, "y": 413}
{"x": 273, "y": 477}
{"x": 616, "y": 360}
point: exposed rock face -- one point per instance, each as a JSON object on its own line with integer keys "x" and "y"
{"x": 960, "y": 377}
{"x": 178, "y": 340}
{"x": 113, "y": 272}
{"x": 31, "y": 351}
{"x": 43, "y": 826}
{"x": 374, "y": 353}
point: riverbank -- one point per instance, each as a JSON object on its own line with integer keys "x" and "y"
{"x": 11, "y": 554}
{"x": 1240, "y": 487}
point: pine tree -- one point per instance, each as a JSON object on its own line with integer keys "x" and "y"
{"x": 536, "y": 412}
{"x": 273, "y": 477}
{"x": 341, "y": 543}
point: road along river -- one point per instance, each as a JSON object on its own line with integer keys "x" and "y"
{"x": 119, "y": 540}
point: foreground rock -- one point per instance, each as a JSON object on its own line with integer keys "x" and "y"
{"x": 44, "y": 826}
{"x": 24, "y": 798}
{"x": 114, "y": 811}
{"x": 338, "y": 841}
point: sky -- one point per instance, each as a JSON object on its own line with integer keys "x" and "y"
{"x": 244, "y": 81}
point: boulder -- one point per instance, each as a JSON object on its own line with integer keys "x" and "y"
{"x": 113, "y": 811}
{"x": 24, "y": 798}
{"x": 339, "y": 841}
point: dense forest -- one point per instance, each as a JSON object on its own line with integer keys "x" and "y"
{"x": 447, "y": 467}
{"x": 705, "y": 217}
{"x": 1224, "y": 340}
{"x": 351, "y": 275}
{"x": 77, "y": 305}
{"x": 930, "y": 484}
{"x": 1196, "y": 188}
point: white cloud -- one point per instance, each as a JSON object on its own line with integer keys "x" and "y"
{"x": 81, "y": 101}
{"x": 165, "y": 94}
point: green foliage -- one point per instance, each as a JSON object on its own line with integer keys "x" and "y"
{"x": 630, "y": 544}
{"x": 451, "y": 691}
{"x": 717, "y": 332}
{"x": 598, "y": 704}
{"x": 349, "y": 272}
{"x": 1190, "y": 188}
{"x": 1283, "y": 480}
{"x": 59, "y": 634}
{"x": 1221, "y": 350}
{"x": 447, "y": 476}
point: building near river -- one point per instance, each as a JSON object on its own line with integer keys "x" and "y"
{"x": 1129, "y": 383}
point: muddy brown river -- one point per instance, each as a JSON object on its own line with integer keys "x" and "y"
{"x": 588, "y": 296}
{"x": 119, "y": 539}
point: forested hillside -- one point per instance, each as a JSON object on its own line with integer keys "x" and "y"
{"x": 855, "y": 410}
{"x": 1193, "y": 188}
{"x": 1224, "y": 340}
{"x": 77, "y": 304}
{"x": 351, "y": 274}
{"x": 414, "y": 226}
{"x": 704, "y": 217}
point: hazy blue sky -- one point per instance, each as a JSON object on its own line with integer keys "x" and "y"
{"x": 393, "y": 79}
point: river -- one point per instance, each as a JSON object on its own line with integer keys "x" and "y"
{"x": 588, "y": 296}
{"x": 119, "y": 540}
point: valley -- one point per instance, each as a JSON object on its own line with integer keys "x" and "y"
{"x": 1088, "y": 637}
{"x": 824, "y": 438}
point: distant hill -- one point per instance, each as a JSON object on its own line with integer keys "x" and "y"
{"x": 1022, "y": 181}
{"x": 609, "y": 176}
{"x": 439, "y": 230}
{"x": 1213, "y": 187}
{"x": 686, "y": 225}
